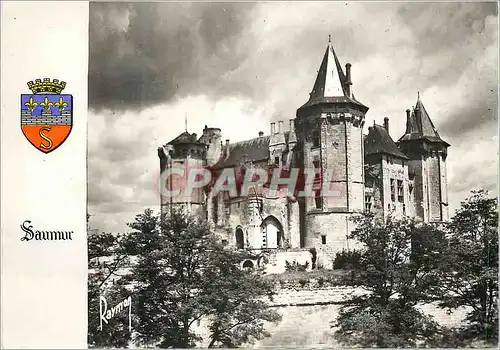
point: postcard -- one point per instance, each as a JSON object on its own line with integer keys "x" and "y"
{"x": 249, "y": 174}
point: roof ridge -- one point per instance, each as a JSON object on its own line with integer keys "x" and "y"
{"x": 247, "y": 140}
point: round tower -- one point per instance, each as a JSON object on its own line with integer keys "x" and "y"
{"x": 427, "y": 153}
{"x": 212, "y": 137}
{"x": 178, "y": 157}
{"x": 330, "y": 128}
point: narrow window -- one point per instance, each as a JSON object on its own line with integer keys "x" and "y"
{"x": 393, "y": 189}
{"x": 318, "y": 199}
{"x": 276, "y": 160}
{"x": 323, "y": 239}
{"x": 315, "y": 139}
{"x": 368, "y": 204}
{"x": 404, "y": 210}
{"x": 317, "y": 172}
{"x": 400, "y": 191}
{"x": 240, "y": 242}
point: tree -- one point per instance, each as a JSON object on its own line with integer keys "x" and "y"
{"x": 238, "y": 301}
{"x": 396, "y": 267}
{"x": 469, "y": 273}
{"x": 106, "y": 258}
{"x": 183, "y": 274}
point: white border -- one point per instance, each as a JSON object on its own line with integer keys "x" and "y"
{"x": 44, "y": 284}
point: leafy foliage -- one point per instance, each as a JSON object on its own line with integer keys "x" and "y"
{"x": 183, "y": 274}
{"x": 106, "y": 258}
{"x": 396, "y": 266}
{"x": 296, "y": 266}
{"x": 469, "y": 273}
{"x": 346, "y": 260}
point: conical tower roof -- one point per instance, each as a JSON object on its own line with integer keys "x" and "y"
{"x": 331, "y": 84}
{"x": 331, "y": 79}
{"x": 419, "y": 126}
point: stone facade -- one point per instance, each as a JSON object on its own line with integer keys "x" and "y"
{"x": 343, "y": 172}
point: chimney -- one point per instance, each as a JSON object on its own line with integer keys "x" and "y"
{"x": 280, "y": 126}
{"x": 193, "y": 135}
{"x": 348, "y": 77}
{"x": 408, "y": 114}
{"x": 292, "y": 125}
{"x": 386, "y": 124}
{"x": 272, "y": 128}
{"x": 226, "y": 149}
{"x": 261, "y": 133}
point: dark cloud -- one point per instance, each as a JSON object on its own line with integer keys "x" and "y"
{"x": 439, "y": 26}
{"x": 463, "y": 122}
{"x": 147, "y": 53}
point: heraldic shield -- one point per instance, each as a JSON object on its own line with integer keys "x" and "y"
{"x": 46, "y": 115}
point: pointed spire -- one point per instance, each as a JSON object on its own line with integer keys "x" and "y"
{"x": 419, "y": 125}
{"x": 330, "y": 80}
{"x": 331, "y": 86}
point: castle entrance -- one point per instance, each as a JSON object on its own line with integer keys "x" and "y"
{"x": 272, "y": 233}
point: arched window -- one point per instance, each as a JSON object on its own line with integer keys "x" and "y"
{"x": 248, "y": 264}
{"x": 240, "y": 241}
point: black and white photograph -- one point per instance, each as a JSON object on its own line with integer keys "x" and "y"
{"x": 292, "y": 175}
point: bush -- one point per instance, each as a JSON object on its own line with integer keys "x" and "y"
{"x": 347, "y": 260}
{"x": 314, "y": 256}
{"x": 321, "y": 282}
{"x": 296, "y": 266}
{"x": 303, "y": 283}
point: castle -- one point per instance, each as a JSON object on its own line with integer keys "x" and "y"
{"x": 371, "y": 173}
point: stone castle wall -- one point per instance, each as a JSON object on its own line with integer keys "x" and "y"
{"x": 309, "y": 310}
{"x": 46, "y": 118}
{"x": 308, "y": 315}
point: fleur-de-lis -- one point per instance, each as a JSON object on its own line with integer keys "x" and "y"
{"x": 31, "y": 104}
{"x": 46, "y": 104}
{"x": 61, "y": 104}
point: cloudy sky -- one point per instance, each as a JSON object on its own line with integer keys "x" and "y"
{"x": 238, "y": 66}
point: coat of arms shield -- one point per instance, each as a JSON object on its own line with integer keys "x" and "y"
{"x": 46, "y": 115}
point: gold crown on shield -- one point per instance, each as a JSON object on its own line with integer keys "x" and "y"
{"x": 46, "y": 86}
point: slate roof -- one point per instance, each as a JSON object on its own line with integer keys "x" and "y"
{"x": 184, "y": 138}
{"x": 331, "y": 82}
{"x": 419, "y": 126}
{"x": 256, "y": 149}
{"x": 378, "y": 141}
